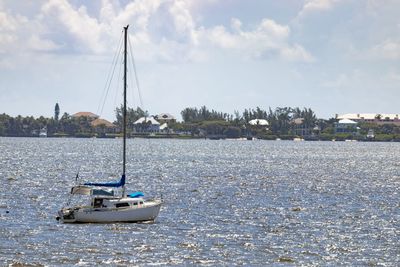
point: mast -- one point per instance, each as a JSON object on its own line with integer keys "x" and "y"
{"x": 124, "y": 112}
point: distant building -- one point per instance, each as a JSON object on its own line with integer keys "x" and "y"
{"x": 301, "y": 128}
{"x": 165, "y": 129}
{"x": 43, "y": 132}
{"x": 146, "y": 125}
{"x": 260, "y": 122}
{"x": 346, "y": 126}
{"x": 165, "y": 118}
{"x": 103, "y": 126}
{"x": 89, "y": 115}
{"x": 377, "y": 118}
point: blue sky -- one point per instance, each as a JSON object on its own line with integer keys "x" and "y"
{"x": 335, "y": 56}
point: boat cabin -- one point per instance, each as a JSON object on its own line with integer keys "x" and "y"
{"x": 105, "y": 198}
{"x": 106, "y": 202}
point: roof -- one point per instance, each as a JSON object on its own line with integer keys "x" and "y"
{"x": 347, "y": 121}
{"x": 298, "y": 121}
{"x": 261, "y": 122}
{"x": 85, "y": 114}
{"x": 164, "y": 126}
{"x": 98, "y": 122}
{"x": 368, "y": 116}
{"x": 164, "y": 116}
{"x": 147, "y": 120}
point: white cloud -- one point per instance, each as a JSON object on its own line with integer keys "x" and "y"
{"x": 162, "y": 30}
{"x": 313, "y": 6}
{"x": 388, "y": 49}
{"x": 268, "y": 38}
{"x": 8, "y": 27}
{"x": 183, "y": 21}
{"x": 38, "y": 44}
{"x": 77, "y": 22}
{"x": 296, "y": 53}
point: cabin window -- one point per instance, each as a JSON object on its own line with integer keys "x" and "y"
{"x": 135, "y": 203}
{"x": 141, "y": 202}
{"x": 98, "y": 202}
{"x": 124, "y": 204}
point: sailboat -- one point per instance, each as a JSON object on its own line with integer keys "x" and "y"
{"x": 104, "y": 206}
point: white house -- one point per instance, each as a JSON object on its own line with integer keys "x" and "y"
{"x": 378, "y": 118}
{"x": 346, "y": 126}
{"x": 165, "y": 117}
{"x": 260, "y": 122}
{"x": 147, "y": 125}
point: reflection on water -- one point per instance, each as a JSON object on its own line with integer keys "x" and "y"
{"x": 226, "y": 202}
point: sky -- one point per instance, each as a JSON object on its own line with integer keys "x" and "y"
{"x": 334, "y": 56}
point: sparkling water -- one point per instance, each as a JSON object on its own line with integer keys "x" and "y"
{"x": 227, "y": 202}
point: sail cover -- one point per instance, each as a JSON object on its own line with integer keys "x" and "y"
{"x": 136, "y": 194}
{"x": 111, "y": 184}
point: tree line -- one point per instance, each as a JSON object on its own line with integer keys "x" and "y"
{"x": 280, "y": 121}
{"x": 30, "y": 126}
{"x": 283, "y": 122}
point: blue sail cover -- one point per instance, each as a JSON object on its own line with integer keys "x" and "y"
{"x": 111, "y": 184}
{"x": 136, "y": 194}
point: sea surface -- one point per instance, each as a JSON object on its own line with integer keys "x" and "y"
{"x": 227, "y": 202}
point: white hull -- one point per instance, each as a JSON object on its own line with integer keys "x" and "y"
{"x": 148, "y": 212}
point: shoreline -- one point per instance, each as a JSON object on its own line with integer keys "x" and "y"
{"x": 186, "y": 137}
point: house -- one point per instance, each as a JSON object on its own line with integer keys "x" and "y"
{"x": 165, "y": 129}
{"x": 89, "y": 115}
{"x": 346, "y": 126}
{"x": 377, "y": 118}
{"x": 300, "y": 128}
{"x": 259, "y": 122}
{"x": 165, "y": 118}
{"x": 103, "y": 126}
{"x": 146, "y": 125}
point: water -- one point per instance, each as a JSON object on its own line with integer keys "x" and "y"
{"x": 226, "y": 203}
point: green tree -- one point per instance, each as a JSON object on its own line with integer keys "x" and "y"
{"x": 204, "y": 114}
{"x": 232, "y": 132}
{"x": 56, "y": 112}
{"x": 132, "y": 115}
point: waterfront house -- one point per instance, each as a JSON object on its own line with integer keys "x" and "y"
{"x": 146, "y": 125}
{"x": 165, "y": 129}
{"x": 376, "y": 118}
{"x": 91, "y": 116}
{"x": 165, "y": 118}
{"x": 346, "y": 126}
{"x": 305, "y": 128}
{"x": 299, "y": 127}
{"x": 102, "y": 126}
{"x": 259, "y": 122}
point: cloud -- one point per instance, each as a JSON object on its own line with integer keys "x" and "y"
{"x": 163, "y": 30}
{"x": 38, "y": 44}
{"x": 314, "y": 6}
{"x": 267, "y": 39}
{"x": 85, "y": 29}
{"x": 19, "y": 33}
{"x": 8, "y": 27}
{"x": 388, "y": 49}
